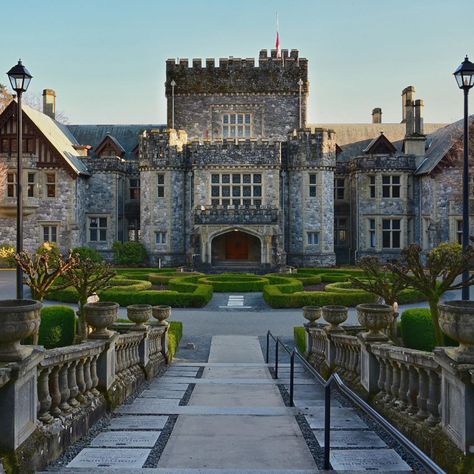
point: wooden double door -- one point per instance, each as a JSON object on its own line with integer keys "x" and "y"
{"x": 237, "y": 246}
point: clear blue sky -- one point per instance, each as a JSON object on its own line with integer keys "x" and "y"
{"x": 106, "y": 59}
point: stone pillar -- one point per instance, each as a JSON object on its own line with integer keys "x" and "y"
{"x": 457, "y": 400}
{"x": 143, "y": 348}
{"x": 18, "y": 401}
{"x": 106, "y": 364}
{"x": 369, "y": 365}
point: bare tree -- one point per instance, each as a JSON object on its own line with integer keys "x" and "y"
{"x": 5, "y": 97}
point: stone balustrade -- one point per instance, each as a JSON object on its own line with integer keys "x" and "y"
{"x": 51, "y": 398}
{"x": 428, "y": 395}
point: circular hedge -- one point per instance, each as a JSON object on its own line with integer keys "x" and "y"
{"x": 229, "y": 282}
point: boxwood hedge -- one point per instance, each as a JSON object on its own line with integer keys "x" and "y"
{"x": 175, "y": 333}
{"x": 228, "y": 282}
{"x": 306, "y": 279}
{"x": 57, "y": 327}
{"x": 299, "y": 334}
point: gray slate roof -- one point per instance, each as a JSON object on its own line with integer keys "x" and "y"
{"x": 439, "y": 143}
{"x": 125, "y": 135}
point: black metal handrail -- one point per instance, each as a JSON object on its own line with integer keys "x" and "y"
{"x": 335, "y": 379}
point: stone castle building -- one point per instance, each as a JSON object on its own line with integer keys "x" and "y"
{"x": 237, "y": 177}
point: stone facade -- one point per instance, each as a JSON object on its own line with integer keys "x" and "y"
{"x": 237, "y": 177}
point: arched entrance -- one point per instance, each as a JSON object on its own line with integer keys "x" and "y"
{"x": 236, "y": 246}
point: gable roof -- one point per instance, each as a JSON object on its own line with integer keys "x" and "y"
{"x": 440, "y": 142}
{"x": 113, "y": 142}
{"x": 59, "y": 138}
{"x": 126, "y": 136}
{"x": 380, "y": 145}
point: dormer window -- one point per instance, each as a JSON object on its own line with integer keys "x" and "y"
{"x": 236, "y": 125}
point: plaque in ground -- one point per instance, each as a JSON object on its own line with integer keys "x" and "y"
{"x": 127, "y": 439}
{"x": 147, "y": 422}
{"x": 384, "y": 460}
{"x": 118, "y": 458}
{"x": 351, "y": 439}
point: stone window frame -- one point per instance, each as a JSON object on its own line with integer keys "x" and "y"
{"x": 313, "y": 185}
{"x": 340, "y": 228}
{"x": 233, "y": 125}
{"x": 31, "y": 184}
{"x": 134, "y": 190}
{"x": 220, "y": 198}
{"x": 372, "y": 232}
{"x": 455, "y": 229}
{"x": 52, "y": 232}
{"x": 50, "y": 185}
{"x": 11, "y": 184}
{"x": 372, "y": 186}
{"x": 216, "y": 111}
{"x": 160, "y": 185}
{"x": 161, "y": 237}
{"x": 393, "y": 233}
{"x": 338, "y": 195}
{"x": 100, "y": 229}
{"x": 391, "y": 189}
{"x": 313, "y": 238}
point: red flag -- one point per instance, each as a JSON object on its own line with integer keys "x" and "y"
{"x": 277, "y": 45}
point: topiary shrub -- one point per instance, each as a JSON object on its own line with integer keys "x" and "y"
{"x": 418, "y": 332}
{"x": 306, "y": 279}
{"x": 87, "y": 252}
{"x": 299, "y": 334}
{"x": 129, "y": 253}
{"x": 229, "y": 282}
{"x": 164, "y": 278}
{"x": 175, "y": 333}
{"x": 58, "y": 327}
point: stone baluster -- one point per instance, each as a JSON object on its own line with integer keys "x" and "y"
{"x": 382, "y": 374}
{"x": 119, "y": 360}
{"x": 44, "y": 399}
{"x": 73, "y": 387}
{"x": 64, "y": 388}
{"x": 81, "y": 384}
{"x": 423, "y": 393}
{"x": 395, "y": 389}
{"x": 356, "y": 366}
{"x": 412, "y": 393}
{"x": 94, "y": 377}
{"x": 87, "y": 377}
{"x": 434, "y": 398}
{"x": 403, "y": 391}
{"x": 54, "y": 392}
{"x": 388, "y": 381}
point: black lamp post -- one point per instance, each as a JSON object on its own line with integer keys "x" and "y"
{"x": 464, "y": 75}
{"x": 20, "y": 80}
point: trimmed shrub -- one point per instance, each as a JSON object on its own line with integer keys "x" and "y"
{"x": 305, "y": 279}
{"x": 164, "y": 278}
{"x": 7, "y": 255}
{"x": 58, "y": 327}
{"x": 299, "y": 334}
{"x": 228, "y": 282}
{"x": 175, "y": 333}
{"x": 417, "y": 330}
{"x": 87, "y": 252}
{"x": 129, "y": 253}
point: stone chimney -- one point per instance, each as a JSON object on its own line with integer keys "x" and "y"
{"x": 410, "y": 117}
{"x": 377, "y": 115}
{"x": 419, "y": 126}
{"x": 408, "y": 95}
{"x": 49, "y": 103}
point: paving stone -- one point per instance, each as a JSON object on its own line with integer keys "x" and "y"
{"x": 181, "y": 374}
{"x": 340, "y": 418}
{"x": 351, "y": 439}
{"x": 138, "y": 422}
{"x": 309, "y": 402}
{"x": 383, "y": 460}
{"x": 118, "y": 458}
{"x": 129, "y": 439}
{"x": 156, "y": 393}
{"x": 188, "y": 380}
{"x": 169, "y": 386}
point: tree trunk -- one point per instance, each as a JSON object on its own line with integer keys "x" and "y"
{"x": 435, "y": 317}
{"x": 81, "y": 335}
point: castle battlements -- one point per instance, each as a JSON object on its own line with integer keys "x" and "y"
{"x": 238, "y": 75}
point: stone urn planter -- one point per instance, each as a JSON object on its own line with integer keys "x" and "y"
{"x": 312, "y": 314}
{"x": 139, "y": 314}
{"x": 101, "y": 316}
{"x": 19, "y": 319}
{"x": 334, "y": 315}
{"x": 456, "y": 319}
{"x": 375, "y": 317}
{"x": 161, "y": 313}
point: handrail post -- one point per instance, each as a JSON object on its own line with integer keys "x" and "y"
{"x": 267, "y": 353}
{"x": 327, "y": 425}
{"x": 276, "y": 358}
{"x": 292, "y": 378}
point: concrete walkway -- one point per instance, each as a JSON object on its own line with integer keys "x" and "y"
{"x": 234, "y": 423}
